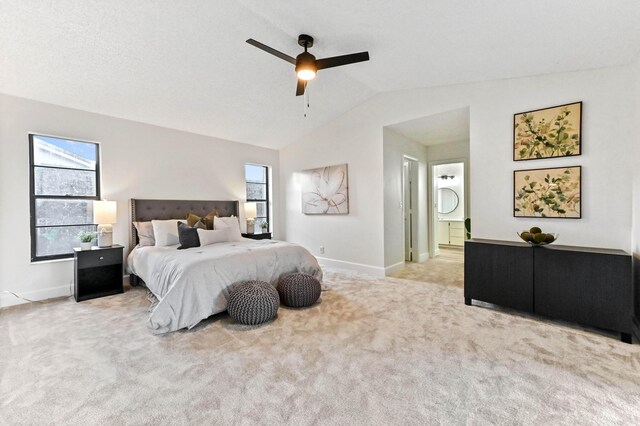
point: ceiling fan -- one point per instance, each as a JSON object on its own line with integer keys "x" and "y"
{"x": 306, "y": 64}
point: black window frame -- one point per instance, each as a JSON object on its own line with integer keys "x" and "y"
{"x": 267, "y": 188}
{"x": 33, "y": 197}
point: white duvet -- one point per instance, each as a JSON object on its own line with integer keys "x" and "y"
{"x": 193, "y": 284}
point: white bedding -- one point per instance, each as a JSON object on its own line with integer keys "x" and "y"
{"x": 193, "y": 284}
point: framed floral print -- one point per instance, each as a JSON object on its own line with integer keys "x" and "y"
{"x": 547, "y": 133}
{"x": 553, "y": 193}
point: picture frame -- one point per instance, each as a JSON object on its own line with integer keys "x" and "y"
{"x": 548, "y": 132}
{"x": 325, "y": 190}
{"x": 554, "y": 192}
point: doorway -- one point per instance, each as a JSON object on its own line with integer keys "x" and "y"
{"x": 449, "y": 195}
{"x": 410, "y": 207}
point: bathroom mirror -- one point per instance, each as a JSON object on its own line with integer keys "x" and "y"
{"x": 447, "y": 200}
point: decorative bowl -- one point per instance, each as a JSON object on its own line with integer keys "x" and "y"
{"x": 534, "y": 243}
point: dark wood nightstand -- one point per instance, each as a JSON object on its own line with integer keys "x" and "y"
{"x": 263, "y": 236}
{"x": 98, "y": 272}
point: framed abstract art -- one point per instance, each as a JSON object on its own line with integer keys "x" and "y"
{"x": 325, "y": 190}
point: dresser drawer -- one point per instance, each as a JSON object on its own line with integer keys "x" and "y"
{"x": 456, "y": 241}
{"x": 457, "y": 225}
{"x": 93, "y": 258}
{"x": 456, "y": 233}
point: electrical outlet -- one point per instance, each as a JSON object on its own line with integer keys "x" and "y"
{"x": 321, "y": 249}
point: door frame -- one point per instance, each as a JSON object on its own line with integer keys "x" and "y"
{"x": 432, "y": 211}
{"x": 414, "y": 170}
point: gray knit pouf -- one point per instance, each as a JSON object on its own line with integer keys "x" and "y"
{"x": 299, "y": 290}
{"x": 253, "y": 302}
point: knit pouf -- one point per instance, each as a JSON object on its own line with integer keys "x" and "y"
{"x": 253, "y": 302}
{"x": 298, "y": 290}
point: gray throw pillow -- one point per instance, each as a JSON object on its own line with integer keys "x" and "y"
{"x": 188, "y": 236}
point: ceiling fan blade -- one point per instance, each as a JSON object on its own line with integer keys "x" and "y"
{"x": 337, "y": 61}
{"x": 271, "y": 50}
{"x": 300, "y": 87}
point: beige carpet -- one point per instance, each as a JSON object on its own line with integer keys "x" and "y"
{"x": 385, "y": 351}
{"x": 447, "y": 268}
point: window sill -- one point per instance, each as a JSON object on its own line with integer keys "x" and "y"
{"x": 39, "y": 262}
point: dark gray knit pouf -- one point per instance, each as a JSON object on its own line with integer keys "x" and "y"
{"x": 253, "y": 302}
{"x": 299, "y": 290}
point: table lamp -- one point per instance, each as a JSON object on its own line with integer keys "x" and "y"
{"x": 250, "y": 212}
{"x": 104, "y": 214}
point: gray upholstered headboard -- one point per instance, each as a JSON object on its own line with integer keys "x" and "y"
{"x": 145, "y": 210}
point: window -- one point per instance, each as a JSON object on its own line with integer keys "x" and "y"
{"x": 258, "y": 189}
{"x": 64, "y": 182}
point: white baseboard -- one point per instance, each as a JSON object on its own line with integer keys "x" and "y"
{"x": 7, "y": 299}
{"x": 423, "y": 257}
{"x": 375, "y": 271}
{"x": 392, "y": 269}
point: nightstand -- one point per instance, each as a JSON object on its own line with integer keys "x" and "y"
{"x": 263, "y": 236}
{"x": 98, "y": 272}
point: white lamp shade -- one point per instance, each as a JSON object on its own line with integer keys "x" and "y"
{"x": 104, "y": 212}
{"x": 250, "y": 210}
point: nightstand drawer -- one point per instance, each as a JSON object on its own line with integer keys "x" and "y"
{"x": 93, "y": 258}
{"x": 263, "y": 236}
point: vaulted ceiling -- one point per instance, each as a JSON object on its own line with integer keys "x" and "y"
{"x": 185, "y": 64}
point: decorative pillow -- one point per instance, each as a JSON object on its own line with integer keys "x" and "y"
{"x": 193, "y": 218}
{"x": 229, "y": 224}
{"x": 188, "y": 236}
{"x": 199, "y": 225}
{"x": 212, "y": 236}
{"x": 208, "y": 219}
{"x": 145, "y": 234}
{"x": 165, "y": 232}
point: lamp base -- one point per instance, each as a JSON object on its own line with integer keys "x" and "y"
{"x": 251, "y": 226}
{"x": 105, "y": 235}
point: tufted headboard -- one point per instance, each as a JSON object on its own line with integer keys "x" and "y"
{"x": 145, "y": 210}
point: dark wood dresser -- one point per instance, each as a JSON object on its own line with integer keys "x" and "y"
{"x": 589, "y": 286}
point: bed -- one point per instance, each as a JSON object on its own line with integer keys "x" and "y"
{"x": 193, "y": 284}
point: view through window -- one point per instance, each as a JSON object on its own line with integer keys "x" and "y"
{"x": 257, "y": 178}
{"x": 64, "y": 183}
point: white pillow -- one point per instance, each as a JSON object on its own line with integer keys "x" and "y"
{"x": 212, "y": 236}
{"x": 145, "y": 234}
{"x": 166, "y": 232}
{"x": 231, "y": 225}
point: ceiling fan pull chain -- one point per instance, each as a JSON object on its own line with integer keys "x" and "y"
{"x": 306, "y": 101}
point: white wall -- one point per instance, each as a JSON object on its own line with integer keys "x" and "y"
{"x": 396, "y": 146}
{"x": 448, "y": 151}
{"x": 636, "y": 165}
{"x": 635, "y": 248}
{"x": 357, "y": 138}
{"x": 347, "y": 237}
{"x": 138, "y": 161}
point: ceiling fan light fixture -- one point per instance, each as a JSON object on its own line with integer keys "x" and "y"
{"x": 306, "y": 66}
{"x": 306, "y": 74}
